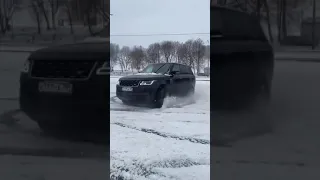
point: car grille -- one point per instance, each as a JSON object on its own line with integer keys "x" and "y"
{"x": 129, "y": 83}
{"x": 64, "y": 69}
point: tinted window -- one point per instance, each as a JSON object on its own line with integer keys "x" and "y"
{"x": 234, "y": 24}
{"x": 176, "y": 68}
{"x": 189, "y": 70}
{"x": 164, "y": 69}
{"x": 156, "y": 68}
{"x": 216, "y": 22}
{"x": 183, "y": 69}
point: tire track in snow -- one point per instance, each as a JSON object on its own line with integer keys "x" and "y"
{"x": 114, "y": 100}
{"x": 165, "y": 135}
{"x": 138, "y": 168}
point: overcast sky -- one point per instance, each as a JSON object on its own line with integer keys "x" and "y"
{"x": 158, "y": 17}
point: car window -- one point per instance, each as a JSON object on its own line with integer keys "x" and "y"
{"x": 183, "y": 69}
{"x": 155, "y": 68}
{"x": 216, "y": 25}
{"x": 164, "y": 69}
{"x": 189, "y": 70}
{"x": 175, "y": 68}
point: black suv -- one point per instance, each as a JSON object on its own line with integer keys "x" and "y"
{"x": 155, "y": 82}
{"x": 67, "y": 85}
{"x": 242, "y": 60}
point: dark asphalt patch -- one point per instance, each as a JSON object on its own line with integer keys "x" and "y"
{"x": 92, "y": 145}
{"x": 230, "y": 128}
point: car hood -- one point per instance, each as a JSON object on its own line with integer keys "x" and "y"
{"x": 78, "y": 51}
{"x": 145, "y": 76}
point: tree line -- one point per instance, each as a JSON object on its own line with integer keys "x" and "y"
{"x": 46, "y": 11}
{"x": 267, "y": 10}
{"x": 194, "y": 53}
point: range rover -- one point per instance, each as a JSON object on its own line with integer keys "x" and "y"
{"x": 155, "y": 82}
{"x": 67, "y": 86}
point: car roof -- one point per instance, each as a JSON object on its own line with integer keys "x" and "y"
{"x": 171, "y": 63}
{"x": 217, "y": 7}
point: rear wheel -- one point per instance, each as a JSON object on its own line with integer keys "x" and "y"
{"x": 127, "y": 102}
{"x": 191, "y": 91}
{"x": 51, "y": 129}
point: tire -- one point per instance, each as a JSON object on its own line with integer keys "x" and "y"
{"x": 127, "y": 102}
{"x": 48, "y": 128}
{"x": 191, "y": 91}
{"x": 263, "y": 109}
{"x": 159, "y": 99}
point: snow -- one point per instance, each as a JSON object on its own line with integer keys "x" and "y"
{"x": 167, "y": 143}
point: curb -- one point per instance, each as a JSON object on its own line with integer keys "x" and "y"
{"x": 21, "y": 51}
{"x": 299, "y": 59}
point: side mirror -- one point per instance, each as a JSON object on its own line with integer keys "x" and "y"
{"x": 172, "y": 73}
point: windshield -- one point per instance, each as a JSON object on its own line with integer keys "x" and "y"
{"x": 157, "y": 68}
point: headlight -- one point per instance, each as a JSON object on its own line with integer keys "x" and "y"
{"x": 26, "y": 66}
{"x": 144, "y": 83}
{"x": 104, "y": 69}
{"x": 118, "y": 83}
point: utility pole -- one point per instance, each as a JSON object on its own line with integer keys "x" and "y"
{"x": 314, "y": 25}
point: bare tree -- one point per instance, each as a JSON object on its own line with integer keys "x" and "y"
{"x": 68, "y": 8}
{"x": 7, "y": 10}
{"x": 37, "y": 13}
{"x": 167, "y": 49}
{"x": 95, "y": 9}
{"x": 176, "y": 46}
{"x": 154, "y": 53}
{"x": 182, "y": 54}
{"x": 189, "y": 54}
{"x": 138, "y": 56}
{"x": 42, "y": 7}
{"x": 114, "y": 54}
{"x": 54, "y": 7}
{"x": 207, "y": 54}
{"x": 124, "y": 58}
{"x": 198, "y": 53}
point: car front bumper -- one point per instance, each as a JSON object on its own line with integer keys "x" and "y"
{"x": 140, "y": 94}
{"x": 88, "y": 104}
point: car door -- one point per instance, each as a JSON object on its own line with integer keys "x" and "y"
{"x": 184, "y": 79}
{"x": 190, "y": 80}
{"x": 176, "y": 80}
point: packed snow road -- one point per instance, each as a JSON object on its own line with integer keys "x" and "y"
{"x": 167, "y": 143}
{"x": 291, "y": 151}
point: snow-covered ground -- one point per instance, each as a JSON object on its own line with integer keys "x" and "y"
{"x": 167, "y": 143}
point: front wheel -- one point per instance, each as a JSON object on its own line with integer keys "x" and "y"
{"x": 50, "y": 129}
{"x": 127, "y": 102}
{"x": 159, "y": 99}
